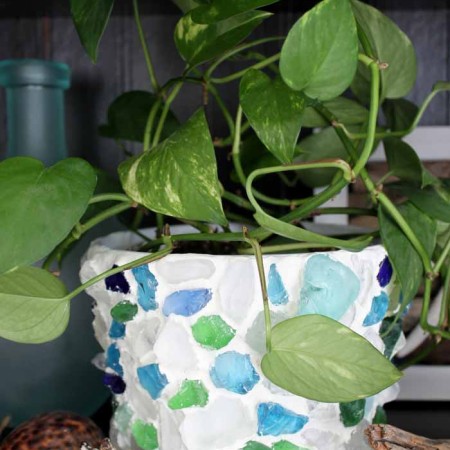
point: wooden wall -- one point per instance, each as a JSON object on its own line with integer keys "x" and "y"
{"x": 121, "y": 66}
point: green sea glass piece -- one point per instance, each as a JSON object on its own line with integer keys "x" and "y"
{"x": 352, "y": 412}
{"x": 286, "y": 445}
{"x": 145, "y": 435}
{"x": 252, "y": 445}
{"x": 212, "y": 332}
{"x": 124, "y": 311}
{"x": 122, "y": 417}
{"x": 191, "y": 393}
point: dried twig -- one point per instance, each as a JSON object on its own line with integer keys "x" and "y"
{"x": 387, "y": 437}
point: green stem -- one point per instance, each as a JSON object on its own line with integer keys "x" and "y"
{"x": 114, "y": 197}
{"x": 443, "y": 315}
{"x": 284, "y": 248}
{"x": 150, "y": 122}
{"x": 442, "y": 258}
{"x": 202, "y": 227}
{"x": 237, "y": 200}
{"x": 343, "y": 210}
{"x": 241, "y": 73}
{"x": 225, "y": 112}
{"x": 148, "y": 59}
{"x": 262, "y": 278}
{"x": 419, "y": 356}
{"x": 106, "y": 214}
{"x": 165, "y": 111}
{"x": 136, "y": 263}
{"x": 239, "y": 49}
{"x": 159, "y": 224}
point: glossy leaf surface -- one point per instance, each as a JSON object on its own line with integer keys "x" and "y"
{"x": 320, "y": 53}
{"x": 345, "y": 110}
{"x": 198, "y": 43}
{"x": 91, "y": 18}
{"x": 223, "y": 9}
{"x": 179, "y": 176}
{"x": 128, "y": 114}
{"x": 391, "y": 46}
{"x": 32, "y": 306}
{"x": 39, "y": 206}
{"x": 402, "y": 255}
{"x": 320, "y": 359}
{"x": 274, "y": 111}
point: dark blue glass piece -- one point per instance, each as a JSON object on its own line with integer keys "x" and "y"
{"x": 385, "y": 273}
{"x": 117, "y": 283}
{"x": 114, "y": 382}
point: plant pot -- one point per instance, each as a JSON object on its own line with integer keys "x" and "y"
{"x": 185, "y": 361}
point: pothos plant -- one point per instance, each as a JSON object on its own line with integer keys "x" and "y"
{"x": 339, "y": 64}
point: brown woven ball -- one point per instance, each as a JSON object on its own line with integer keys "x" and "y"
{"x": 57, "y": 430}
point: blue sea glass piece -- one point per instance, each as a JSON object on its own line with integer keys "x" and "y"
{"x": 114, "y": 382}
{"x": 152, "y": 380}
{"x": 276, "y": 290}
{"x": 234, "y": 371}
{"x": 274, "y": 419}
{"x": 113, "y": 359}
{"x": 116, "y": 330}
{"x": 385, "y": 273}
{"x": 377, "y": 311}
{"x": 187, "y": 302}
{"x": 147, "y": 285}
{"x": 117, "y": 283}
{"x": 329, "y": 287}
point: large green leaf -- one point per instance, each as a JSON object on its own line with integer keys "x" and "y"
{"x": 400, "y": 113}
{"x": 274, "y": 111}
{"x": 91, "y": 18}
{"x": 186, "y": 5}
{"x": 345, "y": 110}
{"x": 32, "y": 306}
{"x": 391, "y": 46}
{"x": 322, "y": 145}
{"x": 433, "y": 200}
{"x": 39, "y": 206}
{"x": 179, "y": 176}
{"x": 320, "y": 54}
{"x": 223, "y": 9}
{"x": 198, "y": 43}
{"x": 128, "y": 114}
{"x": 320, "y": 359}
{"x": 404, "y": 258}
{"x": 404, "y": 163}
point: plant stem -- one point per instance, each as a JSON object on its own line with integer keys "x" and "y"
{"x": 239, "y": 49}
{"x": 443, "y": 315}
{"x": 148, "y": 59}
{"x": 136, "y": 263}
{"x": 150, "y": 122}
{"x": 237, "y": 200}
{"x": 442, "y": 258}
{"x": 114, "y": 197}
{"x": 225, "y": 112}
{"x": 343, "y": 210}
{"x": 237, "y": 75}
{"x": 262, "y": 279}
{"x": 165, "y": 111}
{"x": 110, "y": 212}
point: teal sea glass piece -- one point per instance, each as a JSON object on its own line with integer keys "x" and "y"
{"x": 378, "y": 310}
{"x": 275, "y": 288}
{"x": 113, "y": 359}
{"x": 147, "y": 285}
{"x": 274, "y": 420}
{"x": 329, "y": 287}
{"x": 186, "y": 302}
{"x": 152, "y": 380}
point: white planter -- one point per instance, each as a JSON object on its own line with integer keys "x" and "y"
{"x": 166, "y": 348}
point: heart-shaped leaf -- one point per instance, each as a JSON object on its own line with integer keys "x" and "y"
{"x": 33, "y": 308}
{"x": 404, "y": 163}
{"x": 391, "y": 46}
{"x": 400, "y": 113}
{"x": 179, "y": 176}
{"x": 320, "y": 54}
{"x": 318, "y": 358}
{"x": 274, "y": 111}
{"x": 345, "y": 110}
{"x": 404, "y": 258}
{"x": 91, "y": 18}
{"x": 128, "y": 114}
{"x": 198, "y": 43}
{"x": 39, "y": 206}
{"x": 223, "y": 9}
